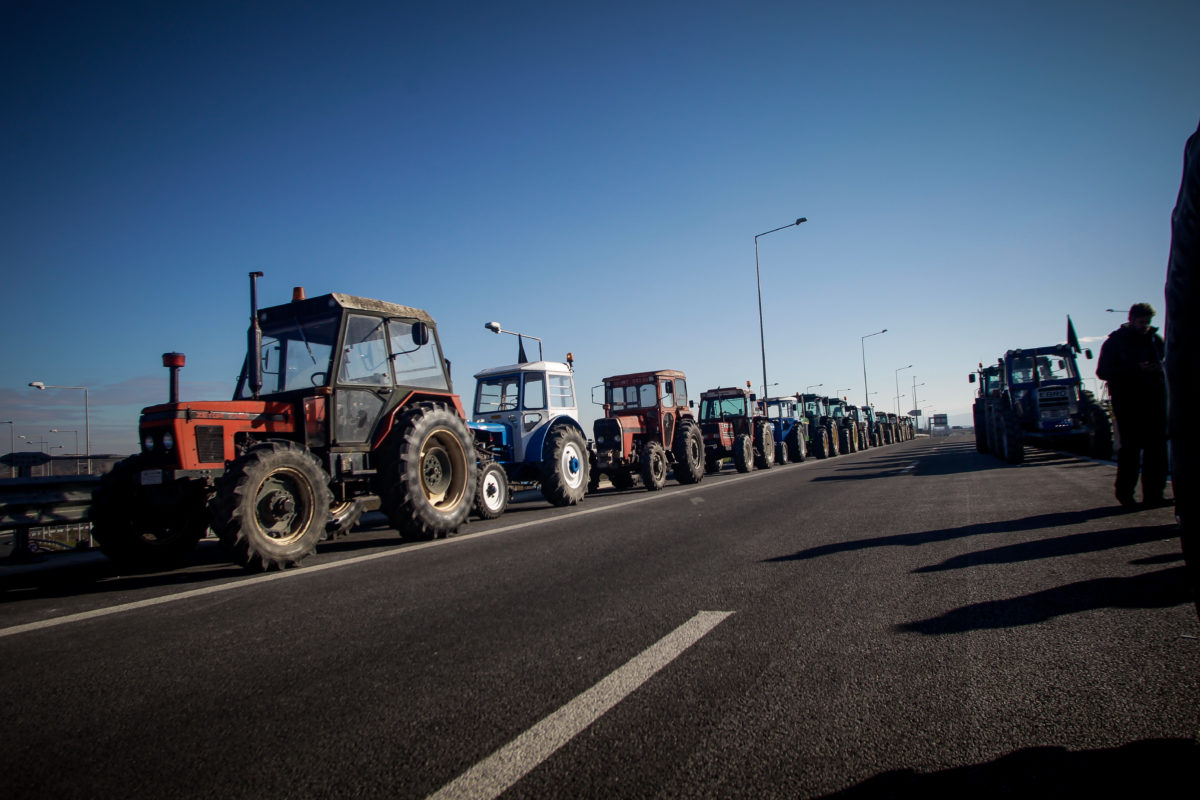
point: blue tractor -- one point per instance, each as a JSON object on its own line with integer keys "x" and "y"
{"x": 527, "y": 432}
{"x": 791, "y": 435}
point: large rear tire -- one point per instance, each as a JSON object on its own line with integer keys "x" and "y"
{"x": 272, "y": 506}
{"x": 654, "y": 466}
{"x": 764, "y": 446}
{"x": 688, "y": 452}
{"x": 564, "y": 466}
{"x": 429, "y": 473}
{"x": 795, "y": 442}
{"x": 1014, "y": 450}
{"x": 140, "y": 535}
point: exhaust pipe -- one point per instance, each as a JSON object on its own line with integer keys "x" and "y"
{"x": 174, "y": 362}
{"x": 254, "y": 346}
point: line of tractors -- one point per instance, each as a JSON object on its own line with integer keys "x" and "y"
{"x": 1036, "y": 396}
{"x": 345, "y": 405}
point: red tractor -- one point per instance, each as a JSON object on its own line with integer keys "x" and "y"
{"x": 344, "y": 404}
{"x": 647, "y": 426}
{"x": 735, "y": 426}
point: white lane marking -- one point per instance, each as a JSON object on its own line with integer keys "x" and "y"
{"x": 67, "y": 619}
{"x": 498, "y": 772}
{"x": 696, "y": 500}
{"x": 909, "y": 468}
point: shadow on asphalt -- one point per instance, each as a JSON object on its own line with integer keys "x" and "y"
{"x": 919, "y": 538}
{"x": 1072, "y": 544}
{"x": 1161, "y": 589}
{"x": 1146, "y": 768}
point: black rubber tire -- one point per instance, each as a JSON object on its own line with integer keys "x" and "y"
{"x": 796, "y": 449}
{"x": 131, "y": 534}
{"x": 781, "y": 452}
{"x": 743, "y": 452}
{"x": 1014, "y": 450}
{"x": 491, "y": 491}
{"x": 654, "y": 466}
{"x": 428, "y": 473}
{"x": 565, "y": 466}
{"x": 593, "y": 483}
{"x": 621, "y": 478}
{"x": 688, "y": 452}
{"x": 712, "y": 464}
{"x": 272, "y": 506}
{"x": 980, "y": 421}
{"x": 764, "y": 446}
{"x": 342, "y": 518}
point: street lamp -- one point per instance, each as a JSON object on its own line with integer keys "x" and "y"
{"x": 758, "y": 278}
{"x": 838, "y": 392}
{"x": 12, "y": 446}
{"x": 813, "y": 386}
{"x": 898, "y": 395}
{"x": 863, "y": 343}
{"x": 87, "y": 421}
{"x": 494, "y": 327}
{"x": 915, "y": 385}
{"x": 75, "y": 452}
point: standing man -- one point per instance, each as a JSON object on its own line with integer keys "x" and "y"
{"x": 1131, "y": 362}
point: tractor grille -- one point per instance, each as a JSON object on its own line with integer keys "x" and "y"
{"x": 1057, "y": 398}
{"x": 210, "y": 444}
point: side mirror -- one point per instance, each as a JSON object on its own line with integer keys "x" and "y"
{"x": 420, "y": 334}
{"x": 1088, "y": 353}
{"x": 971, "y": 378}
{"x": 753, "y": 397}
{"x": 691, "y": 403}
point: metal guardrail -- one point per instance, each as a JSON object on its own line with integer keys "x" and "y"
{"x": 28, "y": 503}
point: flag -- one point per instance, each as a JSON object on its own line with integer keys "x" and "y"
{"x": 1072, "y": 339}
{"x": 521, "y": 359}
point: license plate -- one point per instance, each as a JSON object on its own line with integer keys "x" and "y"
{"x": 152, "y": 477}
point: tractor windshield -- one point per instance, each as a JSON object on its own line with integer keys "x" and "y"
{"x": 717, "y": 407}
{"x": 499, "y": 393}
{"x": 777, "y": 409}
{"x": 1035, "y": 369}
{"x": 623, "y": 398}
{"x": 296, "y": 354}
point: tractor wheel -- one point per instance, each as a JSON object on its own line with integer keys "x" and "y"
{"x": 593, "y": 473}
{"x": 1100, "y": 439}
{"x": 342, "y": 518}
{"x": 795, "y": 444}
{"x": 491, "y": 495}
{"x": 428, "y": 473}
{"x": 654, "y": 467}
{"x": 621, "y": 478}
{"x": 843, "y": 440}
{"x": 764, "y": 446}
{"x": 1014, "y": 451}
{"x": 689, "y": 452}
{"x": 712, "y": 464}
{"x": 743, "y": 453}
{"x": 781, "y": 453}
{"x": 140, "y": 536}
{"x": 272, "y": 506}
{"x": 981, "y": 443}
{"x": 564, "y": 466}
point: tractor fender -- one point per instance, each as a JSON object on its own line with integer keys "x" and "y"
{"x": 538, "y": 440}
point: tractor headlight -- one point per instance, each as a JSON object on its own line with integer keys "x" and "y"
{"x": 168, "y": 441}
{"x": 148, "y": 443}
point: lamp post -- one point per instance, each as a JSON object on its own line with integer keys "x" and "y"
{"x": 813, "y": 386}
{"x": 838, "y": 392}
{"x": 758, "y": 278}
{"x": 494, "y": 327}
{"x": 915, "y": 385}
{"x": 898, "y": 395}
{"x": 12, "y": 446}
{"x": 863, "y": 343}
{"x": 87, "y": 421}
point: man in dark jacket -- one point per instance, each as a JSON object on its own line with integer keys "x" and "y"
{"x": 1131, "y": 362}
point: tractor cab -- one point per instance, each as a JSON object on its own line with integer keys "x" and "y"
{"x": 517, "y": 401}
{"x": 1044, "y": 387}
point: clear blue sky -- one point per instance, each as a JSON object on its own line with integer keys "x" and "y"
{"x": 592, "y": 173}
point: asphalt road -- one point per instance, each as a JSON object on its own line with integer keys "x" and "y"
{"x": 913, "y": 619}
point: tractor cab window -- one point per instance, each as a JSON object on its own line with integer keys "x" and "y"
{"x": 415, "y": 355}
{"x": 497, "y": 394}
{"x": 717, "y": 407}
{"x": 629, "y": 397}
{"x": 296, "y": 354}
{"x": 535, "y": 391}
{"x": 1054, "y": 368}
{"x": 837, "y": 412}
{"x": 562, "y": 393}
{"x": 668, "y": 394}
{"x": 364, "y": 354}
{"x": 780, "y": 410}
{"x": 647, "y": 396}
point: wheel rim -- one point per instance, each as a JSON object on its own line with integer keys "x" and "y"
{"x": 443, "y": 467}
{"x": 571, "y": 465}
{"x": 491, "y": 491}
{"x": 283, "y": 505}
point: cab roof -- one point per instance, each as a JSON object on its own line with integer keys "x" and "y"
{"x": 634, "y": 377}
{"x": 316, "y": 305}
{"x": 529, "y": 366}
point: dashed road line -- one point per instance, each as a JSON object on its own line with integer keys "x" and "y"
{"x": 498, "y": 772}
